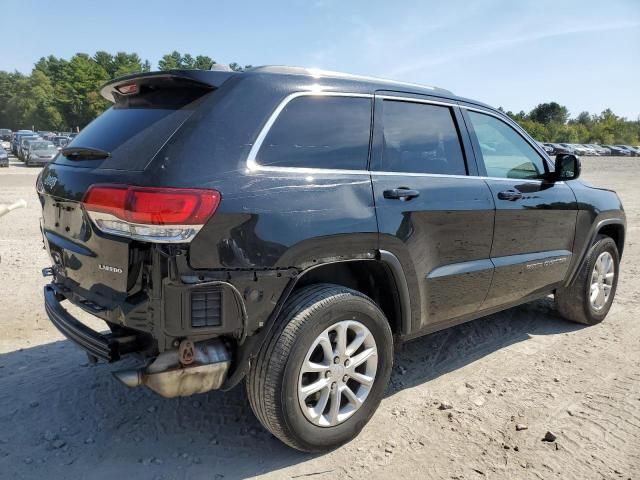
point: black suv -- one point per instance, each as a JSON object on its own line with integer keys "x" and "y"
{"x": 283, "y": 226}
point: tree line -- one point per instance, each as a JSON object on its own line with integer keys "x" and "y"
{"x": 62, "y": 94}
{"x": 550, "y": 122}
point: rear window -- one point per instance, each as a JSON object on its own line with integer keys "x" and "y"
{"x": 316, "y": 131}
{"x": 133, "y": 131}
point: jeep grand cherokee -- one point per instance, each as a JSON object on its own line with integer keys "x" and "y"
{"x": 284, "y": 226}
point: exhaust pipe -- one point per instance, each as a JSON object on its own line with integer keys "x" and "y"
{"x": 131, "y": 378}
{"x": 168, "y": 375}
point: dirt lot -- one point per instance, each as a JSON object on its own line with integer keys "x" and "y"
{"x": 62, "y": 418}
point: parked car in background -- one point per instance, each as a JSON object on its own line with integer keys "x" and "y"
{"x": 589, "y": 150}
{"x": 575, "y": 149}
{"x": 600, "y": 149}
{"x": 5, "y": 134}
{"x": 40, "y": 153}
{"x": 24, "y": 145}
{"x": 582, "y": 150}
{"x": 16, "y": 137}
{"x": 632, "y": 151}
{"x": 4, "y": 158}
{"x": 60, "y": 141}
{"x": 617, "y": 151}
{"x": 559, "y": 149}
{"x": 546, "y": 147}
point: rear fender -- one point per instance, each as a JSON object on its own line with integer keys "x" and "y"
{"x": 250, "y": 348}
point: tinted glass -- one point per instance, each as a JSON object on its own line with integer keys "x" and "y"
{"x": 421, "y": 138}
{"x": 505, "y": 153}
{"x": 320, "y": 132}
{"x": 131, "y": 135}
{"x": 133, "y": 131}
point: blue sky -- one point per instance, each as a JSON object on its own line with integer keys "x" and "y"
{"x": 584, "y": 54}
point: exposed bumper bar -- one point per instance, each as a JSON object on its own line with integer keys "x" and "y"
{"x": 104, "y": 347}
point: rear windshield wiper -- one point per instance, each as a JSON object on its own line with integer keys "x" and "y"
{"x": 84, "y": 153}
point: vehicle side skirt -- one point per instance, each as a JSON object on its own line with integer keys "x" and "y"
{"x": 481, "y": 313}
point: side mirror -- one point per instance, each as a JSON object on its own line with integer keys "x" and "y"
{"x": 567, "y": 167}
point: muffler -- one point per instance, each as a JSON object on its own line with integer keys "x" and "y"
{"x": 178, "y": 374}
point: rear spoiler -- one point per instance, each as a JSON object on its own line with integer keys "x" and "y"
{"x": 170, "y": 78}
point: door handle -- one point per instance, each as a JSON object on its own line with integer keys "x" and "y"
{"x": 510, "y": 195}
{"x": 401, "y": 193}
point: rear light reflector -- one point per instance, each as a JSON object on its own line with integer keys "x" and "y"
{"x": 149, "y": 213}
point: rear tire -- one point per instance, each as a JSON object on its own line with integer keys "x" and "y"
{"x": 588, "y": 299}
{"x": 296, "y": 358}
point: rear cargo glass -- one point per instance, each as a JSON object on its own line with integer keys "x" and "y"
{"x": 133, "y": 131}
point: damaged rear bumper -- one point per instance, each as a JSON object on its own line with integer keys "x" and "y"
{"x": 108, "y": 347}
{"x": 202, "y": 367}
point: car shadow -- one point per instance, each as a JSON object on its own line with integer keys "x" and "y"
{"x": 431, "y": 356}
{"x": 64, "y": 418}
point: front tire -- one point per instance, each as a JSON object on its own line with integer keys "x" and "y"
{"x": 323, "y": 369}
{"x": 588, "y": 299}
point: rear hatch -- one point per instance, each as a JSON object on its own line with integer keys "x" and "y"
{"x": 113, "y": 150}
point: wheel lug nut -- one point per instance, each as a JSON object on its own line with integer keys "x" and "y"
{"x": 346, "y": 363}
{"x": 336, "y": 360}
{"x": 345, "y": 378}
{"x": 327, "y": 374}
{"x": 333, "y": 386}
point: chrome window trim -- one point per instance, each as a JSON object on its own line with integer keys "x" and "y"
{"x": 417, "y": 100}
{"x": 518, "y": 130}
{"x": 443, "y": 175}
{"x": 252, "y": 163}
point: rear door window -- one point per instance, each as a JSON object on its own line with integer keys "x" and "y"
{"x": 319, "y": 131}
{"x": 421, "y": 138}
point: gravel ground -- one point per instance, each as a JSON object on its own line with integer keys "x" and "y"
{"x": 474, "y": 401}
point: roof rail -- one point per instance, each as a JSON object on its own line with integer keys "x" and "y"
{"x": 316, "y": 72}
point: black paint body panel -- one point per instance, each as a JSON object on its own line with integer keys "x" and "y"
{"x": 462, "y": 252}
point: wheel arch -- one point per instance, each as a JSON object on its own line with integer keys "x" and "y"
{"x": 616, "y": 231}
{"x": 611, "y": 226}
{"x": 381, "y": 279}
{"x": 398, "y": 312}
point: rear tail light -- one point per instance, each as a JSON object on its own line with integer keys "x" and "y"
{"x": 164, "y": 215}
